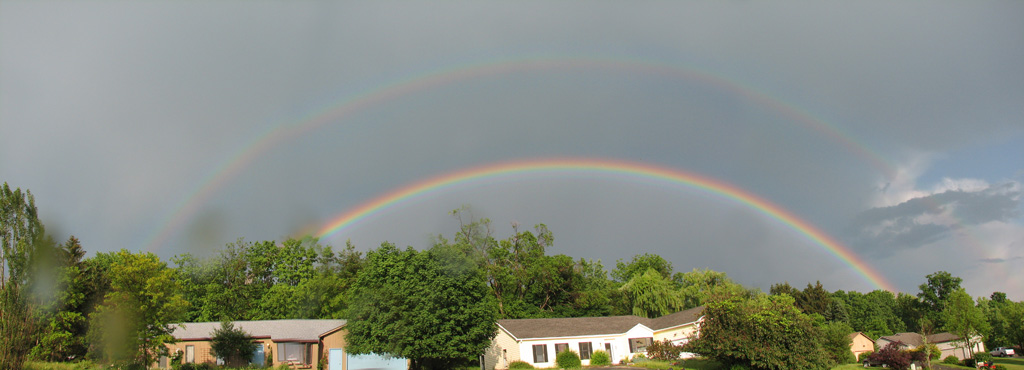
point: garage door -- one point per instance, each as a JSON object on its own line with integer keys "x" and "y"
{"x": 376, "y": 362}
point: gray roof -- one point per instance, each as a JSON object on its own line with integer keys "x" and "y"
{"x": 277, "y": 330}
{"x": 915, "y": 339}
{"x": 582, "y": 326}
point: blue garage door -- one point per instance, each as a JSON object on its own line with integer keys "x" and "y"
{"x": 376, "y": 362}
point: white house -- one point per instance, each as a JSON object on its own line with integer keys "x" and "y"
{"x": 948, "y": 343}
{"x": 537, "y": 341}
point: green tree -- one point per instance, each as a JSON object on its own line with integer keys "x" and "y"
{"x": 63, "y": 336}
{"x": 1014, "y": 313}
{"x": 766, "y": 332}
{"x": 651, "y": 295}
{"x": 935, "y": 292}
{"x": 625, "y": 272}
{"x": 814, "y": 299}
{"x": 432, "y": 307}
{"x": 835, "y": 340}
{"x": 700, "y": 286}
{"x": 231, "y": 344}
{"x": 133, "y": 323}
{"x": 20, "y": 234}
{"x": 961, "y": 317}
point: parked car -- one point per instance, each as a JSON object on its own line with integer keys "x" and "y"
{"x": 1002, "y": 352}
{"x": 874, "y": 361}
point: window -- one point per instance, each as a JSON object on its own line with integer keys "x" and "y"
{"x": 585, "y": 350}
{"x": 540, "y": 353}
{"x": 639, "y": 345}
{"x": 293, "y": 352}
{"x": 190, "y": 354}
{"x": 561, "y": 347}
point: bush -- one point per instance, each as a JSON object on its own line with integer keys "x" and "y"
{"x": 1001, "y": 367}
{"x": 515, "y": 365}
{"x": 864, "y": 356}
{"x": 568, "y": 359}
{"x": 600, "y": 358}
{"x": 951, "y": 360}
{"x": 639, "y": 357}
{"x": 664, "y": 350}
{"x": 893, "y": 356}
{"x": 982, "y": 357}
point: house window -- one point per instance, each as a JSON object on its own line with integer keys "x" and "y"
{"x": 585, "y": 350}
{"x": 190, "y": 354}
{"x": 293, "y": 352}
{"x": 540, "y": 353}
{"x": 561, "y": 347}
{"x": 639, "y": 345}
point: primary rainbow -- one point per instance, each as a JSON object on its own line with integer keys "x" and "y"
{"x": 643, "y": 171}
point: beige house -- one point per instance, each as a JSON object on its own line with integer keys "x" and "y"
{"x": 948, "y": 343}
{"x": 860, "y": 343}
{"x": 299, "y": 343}
{"x": 537, "y": 341}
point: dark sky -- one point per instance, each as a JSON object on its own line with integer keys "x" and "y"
{"x": 897, "y": 129}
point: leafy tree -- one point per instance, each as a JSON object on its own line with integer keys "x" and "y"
{"x": 700, "y": 286}
{"x": 63, "y": 336}
{"x": 21, "y": 233}
{"x": 231, "y": 344}
{"x": 962, "y": 318}
{"x": 814, "y": 299}
{"x": 133, "y": 323}
{"x": 766, "y": 332}
{"x": 784, "y": 288}
{"x": 935, "y": 292}
{"x": 640, "y": 264}
{"x": 835, "y": 340}
{"x": 431, "y": 307}
{"x": 1014, "y": 313}
{"x": 651, "y": 295}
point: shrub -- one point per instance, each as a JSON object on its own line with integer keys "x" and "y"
{"x": 568, "y": 359}
{"x": 893, "y": 356}
{"x": 600, "y": 358}
{"x": 864, "y": 356}
{"x": 664, "y": 350}
{"x": 517, "y": 365}
{"x": 639, "y": 357}
{"x": 1001, "y": 367}
{"x": 951, "y": 360}
{"x": 982, "y": 357}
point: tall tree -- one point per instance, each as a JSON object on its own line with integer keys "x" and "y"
{"x": 700, "y": 286}
{"x": 961, "y": 317}
{"x": 814, "y": 299}
{"x": 133, "y": 323}
{"x": 432, "y": 307}
{"x": 20, "y": 233}
{"x": 651, "y": 295}
{"x": 63, "y": 337}
{"x": 625, "y": 271}
{"x": 935, "y": 292}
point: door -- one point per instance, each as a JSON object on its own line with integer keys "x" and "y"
{"x": 258, "y": 356}
{"x": 335, "y": 359}
{"x": 608, "y": 348}
{"x": 376, "y": 362}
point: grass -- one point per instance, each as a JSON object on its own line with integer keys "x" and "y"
{"x": 84, "y": 365}
{"x": 1010, "y": 363}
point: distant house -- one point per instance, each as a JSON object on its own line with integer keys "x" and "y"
{"x": 948, "y": 343}
{"x": 300, "y": 344}
{"x": 537, "y": 341}
{"x": 860, "y": 343}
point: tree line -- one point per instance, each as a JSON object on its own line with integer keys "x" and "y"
{"x": 116, "y": 307}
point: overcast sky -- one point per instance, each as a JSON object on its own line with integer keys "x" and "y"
{"x": 174, "y": 127}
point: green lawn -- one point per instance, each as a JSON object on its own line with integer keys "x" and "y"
{"x": 1010, "y": 363}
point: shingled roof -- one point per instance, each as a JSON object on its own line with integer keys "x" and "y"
{"x": 584, "y": 326}
{"x": 276, "y": 330}
{"x": 915, "y": 339}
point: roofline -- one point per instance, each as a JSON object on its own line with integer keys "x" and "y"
{"x": 573, "y": 336}
{"x": 680, "y": 325}
{"x": 199, "y": 339}
{"x": 332, "y": 331}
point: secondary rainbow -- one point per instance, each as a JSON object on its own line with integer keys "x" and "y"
{"x": 641, "y": 171}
